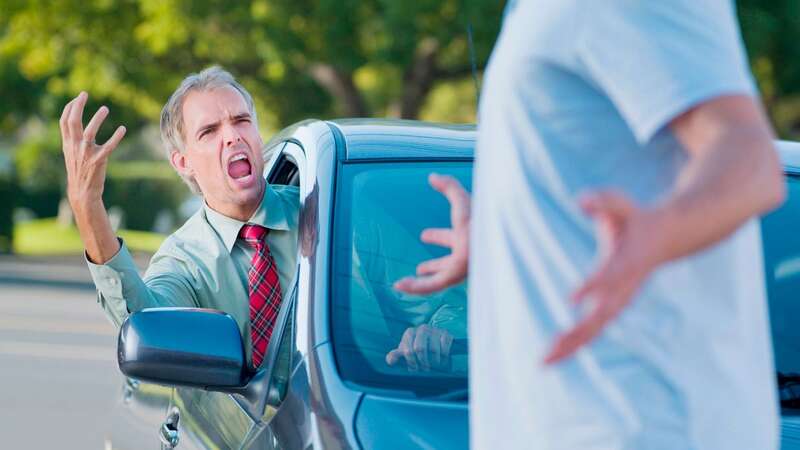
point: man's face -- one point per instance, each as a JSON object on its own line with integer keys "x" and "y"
{"x": 222, "y": 151}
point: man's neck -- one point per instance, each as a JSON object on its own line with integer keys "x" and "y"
{"x": 243, "y": 212}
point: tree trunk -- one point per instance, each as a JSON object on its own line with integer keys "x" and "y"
{"x": 341, "y": 87}
{"x": 419, "y": 78}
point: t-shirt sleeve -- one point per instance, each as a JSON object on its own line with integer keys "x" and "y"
{"x": 655, "y": 60}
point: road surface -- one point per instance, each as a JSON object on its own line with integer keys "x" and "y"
{"x": 58, "y": 373}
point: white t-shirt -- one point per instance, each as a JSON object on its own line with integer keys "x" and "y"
{"x": 577, "y": 97}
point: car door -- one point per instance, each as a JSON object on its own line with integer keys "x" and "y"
{"x": 138, "y": 415}
{"x": 216, "y": 420}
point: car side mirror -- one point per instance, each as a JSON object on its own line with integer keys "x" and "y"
{"x": 183, "y": 346}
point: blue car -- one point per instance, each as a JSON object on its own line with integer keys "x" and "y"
{"x": 781, "y": 241}
{"x": 326, "y": 382}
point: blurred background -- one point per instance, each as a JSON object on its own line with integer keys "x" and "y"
{"x": 299, "y": 59}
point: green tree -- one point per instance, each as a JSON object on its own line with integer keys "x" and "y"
{"x": 771, "y": 32}
{"x": 299, "y": 57}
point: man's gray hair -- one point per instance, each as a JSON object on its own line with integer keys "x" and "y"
{"x": 172, "y": 132}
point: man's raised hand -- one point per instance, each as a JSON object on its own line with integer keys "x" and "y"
{"x": 437, "y": 274}
{"x": 85, "y": 160}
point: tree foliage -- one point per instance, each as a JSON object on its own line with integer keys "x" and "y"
{"x": 300, "y": 58}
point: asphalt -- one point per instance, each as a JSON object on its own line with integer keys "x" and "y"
{"x": 59, "y": 379}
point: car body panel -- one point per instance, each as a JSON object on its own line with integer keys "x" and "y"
{"x": 138, "y": 415}
{"x": 405, "y": 139}
{"x": 392, "y": 423}
{"x": 789, "y": 153}
{"x": 790, "y": 430}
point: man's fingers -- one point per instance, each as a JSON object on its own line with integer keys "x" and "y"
{"x": 439, "y": 236}
{"x": 583, "y": 333}
{"x": 75, "y": 120}
{"x": 432, "y": 266}
{"x": 592, "y": 283}
{"x": 456, "y": 195}
{"x": 421, "y": 342}
{"x": 94, "y": 125}
{"x": 63, "y": 121}
{"x": 421, "y": 285}
{"x": 404, "y": 350}
{"x": 113, "y": 141}
{"x": 406, "y": 347}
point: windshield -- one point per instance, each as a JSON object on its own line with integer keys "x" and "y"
{"x": 381, "y": 209}
{"x": 781, "y": 236}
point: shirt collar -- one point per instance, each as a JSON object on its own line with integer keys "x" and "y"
{"x": 270, "y": 214}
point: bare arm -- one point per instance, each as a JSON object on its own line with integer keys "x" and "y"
{"x": 732, "y": 175}
{"x": 86, "y": 171}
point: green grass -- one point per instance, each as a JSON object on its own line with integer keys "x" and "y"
{"x": 47, "y": 237}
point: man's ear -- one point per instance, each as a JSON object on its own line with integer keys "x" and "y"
{"x": 180, "y": 163}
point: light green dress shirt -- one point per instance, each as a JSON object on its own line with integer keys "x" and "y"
{"x": 203, "y": 264}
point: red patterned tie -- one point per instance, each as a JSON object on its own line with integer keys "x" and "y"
{"x": 265, "y": 290}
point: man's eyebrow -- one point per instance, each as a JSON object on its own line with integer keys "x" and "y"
{"x": 209, "y": 126}
{"x": 244, "y": 115}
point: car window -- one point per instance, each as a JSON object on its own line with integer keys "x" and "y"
{"x": 381, "y": 209}
{"x": 781, "y": 240}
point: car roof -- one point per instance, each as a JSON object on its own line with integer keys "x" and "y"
{"x": 405, "y": 139}
{"x": 383, "y": 139}
{"x": 790, "y": 155}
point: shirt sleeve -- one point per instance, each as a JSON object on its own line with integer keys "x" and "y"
{"x": 121, "y": 290}
{"x": 655, "y": 60}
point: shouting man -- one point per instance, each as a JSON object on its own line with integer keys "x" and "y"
{"x": 240, "y": 245}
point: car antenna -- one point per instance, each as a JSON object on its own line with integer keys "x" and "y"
{"x": 474, "y": 65}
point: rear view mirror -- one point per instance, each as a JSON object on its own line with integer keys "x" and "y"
{"x": 183, "y": 346}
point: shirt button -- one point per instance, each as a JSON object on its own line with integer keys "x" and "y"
{"x": 113, "y": 281}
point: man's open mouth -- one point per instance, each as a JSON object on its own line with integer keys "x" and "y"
{"x": 239, "y": 166}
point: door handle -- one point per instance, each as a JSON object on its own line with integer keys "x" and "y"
{"x": 168, "y": 433}
{"x": 131, "y": 385}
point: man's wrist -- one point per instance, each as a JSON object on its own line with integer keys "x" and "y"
{"x": 85, "y": 204}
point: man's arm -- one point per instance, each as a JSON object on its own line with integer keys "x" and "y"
{"x": 86, "y": 172}
{"x": 732, "y": 175}
{"x": 116, "y": 276}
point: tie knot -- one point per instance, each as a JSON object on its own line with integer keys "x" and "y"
{"x": 253, "y": 234}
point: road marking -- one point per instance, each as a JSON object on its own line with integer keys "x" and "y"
{"x": 58, "y": 351}
{"x": 47, "y": 325}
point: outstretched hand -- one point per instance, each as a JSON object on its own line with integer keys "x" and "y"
{"x": 84, "y": 159}
{"x": 629, "y": 248}
{"x": 437, "y": 274}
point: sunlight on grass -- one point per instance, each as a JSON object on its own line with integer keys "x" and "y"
{"x": 47, "y": 237}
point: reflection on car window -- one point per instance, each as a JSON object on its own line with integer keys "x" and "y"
{"x": 279, "y": 379}
{"x": 781, "y": 237}
{"x": 381, "y": 209}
